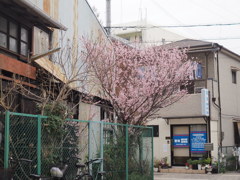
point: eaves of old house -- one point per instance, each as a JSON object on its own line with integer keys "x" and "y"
{"x": 15, "y": 50}
{"x": 29, "y": 11}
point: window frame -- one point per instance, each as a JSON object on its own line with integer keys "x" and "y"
{"x": 234, "y": 76}
{"x": 106, "y": 113}
{"x": 8, "y": 35}
{"x": 5, "y": 33}
{"x": 155, "y": 130}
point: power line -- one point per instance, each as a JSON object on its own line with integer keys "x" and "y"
{"x": 172, "y": 40}
{"x": 172, "y": 26}
{"x": 173, "y": 16}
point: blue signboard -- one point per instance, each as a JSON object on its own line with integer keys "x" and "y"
{"x": 199, "y": 71}
{"x": 198, "y": 139}
{"x": 181, "y": 140}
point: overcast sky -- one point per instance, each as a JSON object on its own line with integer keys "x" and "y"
{"x": 181, "y": 12}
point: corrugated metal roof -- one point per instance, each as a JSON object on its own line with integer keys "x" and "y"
{"x": 52, "y": 68}
{"x": 30, "y": 12}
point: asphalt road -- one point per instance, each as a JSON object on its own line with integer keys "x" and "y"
{"x": 178, "y": 176}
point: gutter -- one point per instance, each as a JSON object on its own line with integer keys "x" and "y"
{"x": 38, "y": 12}
{"x": 182, "y": 117}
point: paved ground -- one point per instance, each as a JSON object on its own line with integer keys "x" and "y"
{"x": 177, "y": 176}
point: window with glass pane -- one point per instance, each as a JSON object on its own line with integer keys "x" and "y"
{"x": 234, "y": 76}
{"x": 24, "y": 48}
{"x": 3, "y": 24}
{"x": 13, "y": 29}
{"x": 24, "y": 35}
{"x": 3, "y": 40}
{"x": 24, "y": 42}
{"x": 13, "y": 37}
{"x": 198, "y": 137}
{"x": 13, "y": 44}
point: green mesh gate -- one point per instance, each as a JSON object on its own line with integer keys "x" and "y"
{"x": 126, "y": 150}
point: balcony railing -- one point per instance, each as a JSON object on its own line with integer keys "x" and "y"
{"x": 195, "y": 86}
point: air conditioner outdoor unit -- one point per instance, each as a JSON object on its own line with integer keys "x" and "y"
{"x": 198, "y": 89}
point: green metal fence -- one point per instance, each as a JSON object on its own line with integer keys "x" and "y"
{"x": 230, "y": 159}
{"x": 126, "y": 150}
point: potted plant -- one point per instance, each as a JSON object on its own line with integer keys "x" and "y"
{"x": 199, "y": 164}
{"x": 156, "y": 165}
{"x": 195, "y": 164}
{"x": 208, "y": 169}
{"x": 163, "y": 163}
{"x": 206, "y": 162}
{"x": 215, "y": 167}
{"x": 189, "y": 162}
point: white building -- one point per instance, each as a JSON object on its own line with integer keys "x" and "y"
{"x": 180, "y": 124}
{"x": 145, "y": 33}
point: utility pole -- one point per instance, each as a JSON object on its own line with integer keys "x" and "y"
{"x": 108, "y": 16}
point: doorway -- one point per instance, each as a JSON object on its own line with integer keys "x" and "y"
{"x": 188, "y": 142}
{"x": 180, "y": 145}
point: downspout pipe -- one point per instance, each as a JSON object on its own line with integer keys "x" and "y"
{"x": 220, "y": 114}
{"x": 219, "y": 104}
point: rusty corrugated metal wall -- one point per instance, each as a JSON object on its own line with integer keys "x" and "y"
{"x": 80, "y": 20}
{"x": 76, "y": 15}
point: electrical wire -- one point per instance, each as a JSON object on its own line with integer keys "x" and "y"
{"x": 173, "y": 17}
{"x": 174, "y": 26}
{"x": 231, "y": 38}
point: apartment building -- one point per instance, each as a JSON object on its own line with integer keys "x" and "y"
{"x": 182, "y": 129}
{"x": 145, "y": 33}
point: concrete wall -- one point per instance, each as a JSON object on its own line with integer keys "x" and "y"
{"x": 189, "y": 105}
{"x": 89, "y": 112}
{"x": 162, "y": 147}
{"x": 212, "y": 85}
{"x": 230, "y": 96}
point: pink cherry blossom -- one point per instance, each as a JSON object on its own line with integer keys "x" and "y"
{"x": 138, "y": 82}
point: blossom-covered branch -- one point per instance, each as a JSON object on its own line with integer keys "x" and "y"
{"x": 138, "y": 82}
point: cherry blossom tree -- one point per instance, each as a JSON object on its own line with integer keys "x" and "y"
{"x": 138, "y": 82}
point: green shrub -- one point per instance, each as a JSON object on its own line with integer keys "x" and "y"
{"x": 138, "y": 176}
{"x": 189, "y": 161}
{"x": 194, "y": 162}
{"x": 231, "y": 163}
{"x": 222, "y": 168}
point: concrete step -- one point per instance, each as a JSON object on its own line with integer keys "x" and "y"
{"x": 182, "y": 170}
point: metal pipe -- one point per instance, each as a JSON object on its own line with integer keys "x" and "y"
{"x": 206, "y": 71}
{"x": 108, "y": 16}
{"x": 209, "y": 124}
{"x": 219, "y": 105}
{"x": 220, "y": 116}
